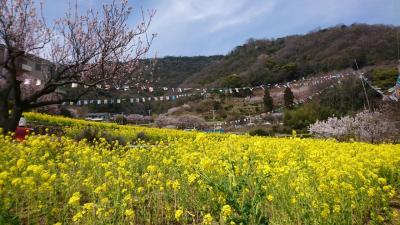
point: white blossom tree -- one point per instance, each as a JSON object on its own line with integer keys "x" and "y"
{"x": 91, "y": 48}
{"x": 365, "y": 126}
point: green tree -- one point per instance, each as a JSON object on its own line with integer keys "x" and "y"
{"x": 232, "y": 81}
{"x": 300, "y": 118}
{"x": 288, "y": 98}
{"x": 384, "y": 77}
{"x": 268, "y": 101}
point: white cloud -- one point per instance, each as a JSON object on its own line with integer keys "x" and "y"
{"x": 214, "y": 15}
{"x": 216, "y": 26}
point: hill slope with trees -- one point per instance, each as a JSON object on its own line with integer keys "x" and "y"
{"x": 297, "y": 56}
{"x": 171, "y": 71}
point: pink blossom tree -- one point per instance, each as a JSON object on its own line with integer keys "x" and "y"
{"x": 366, "y": 126}
{"x": 92, "y": 49}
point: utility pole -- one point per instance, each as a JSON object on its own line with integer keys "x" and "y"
{"x": 362, "y": 82}
{"x": 213, "y": 113}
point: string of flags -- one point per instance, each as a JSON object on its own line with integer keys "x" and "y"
{"x": 130, "y": 100}
{"x": 395, "y": 91}
{"x": 295, "y": 102}
{"x": 176, "y": 93}
{"x": 294, "y": 83}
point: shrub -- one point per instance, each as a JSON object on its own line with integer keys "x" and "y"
{"x": 305, "y": 115}
{"x": 94, "y": 134}
{"x": 260, "y": 132}
{"x": 142, "y": 136}
{"x": 121, "y": 120}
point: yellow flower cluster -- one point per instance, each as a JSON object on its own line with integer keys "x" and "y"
{"x": 192, "y": 178}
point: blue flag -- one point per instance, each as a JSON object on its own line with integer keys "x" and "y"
{"x": 398, "y": 81}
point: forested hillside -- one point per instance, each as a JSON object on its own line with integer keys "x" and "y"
{"x": 171, "y": 71}
{"x": 293, "y": 57}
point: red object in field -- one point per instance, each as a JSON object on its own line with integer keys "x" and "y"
{"x": 20, "y": 133}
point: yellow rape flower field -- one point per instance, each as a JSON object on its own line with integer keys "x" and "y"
{"x": 194, "y": 178}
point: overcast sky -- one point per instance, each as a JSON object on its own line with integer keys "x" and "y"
{"x": 208, "y": 27}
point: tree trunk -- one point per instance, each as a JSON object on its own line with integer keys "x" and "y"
{"x": 9, "y": 122}
{"x": 10, "y": 114}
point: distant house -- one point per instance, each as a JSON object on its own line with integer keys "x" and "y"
{"x": 32, "y": 70}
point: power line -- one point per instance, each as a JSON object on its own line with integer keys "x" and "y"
{"x": 362, "y": 82}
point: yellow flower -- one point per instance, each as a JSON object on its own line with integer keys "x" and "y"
{"x": 191, "y": 178}
{"x": 78, "y": 216}
{"x": 371, "y": 192}
{"x": 336, "y": 209}
{"x": 129, "y": 213}
{"x": 21, "y": 163}
{"x": 226, "y": 211}
{"x": 16, "y": 181}
{"x": 101, "y": 188}
{"x": 176, "y": 185}
{"x": 45, "y": 175}
{"x": 207, "y": 219}
{"x": 326, "y": 211}
{"x": 105, "y": 201}
{"x": 75, "y": 198}
{"x": 270, "y": 198}
{"x": 88, "y": 206}
{"x": 382, "y": 181}
{"x": 178, "y": 214}
{"x": 140, "y": 190}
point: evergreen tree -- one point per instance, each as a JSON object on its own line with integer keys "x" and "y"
{"x": 288, "y": 98}
{"x": 268, "y": 101}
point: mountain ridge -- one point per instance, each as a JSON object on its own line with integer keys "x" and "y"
{"x": 292, "y": 57}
